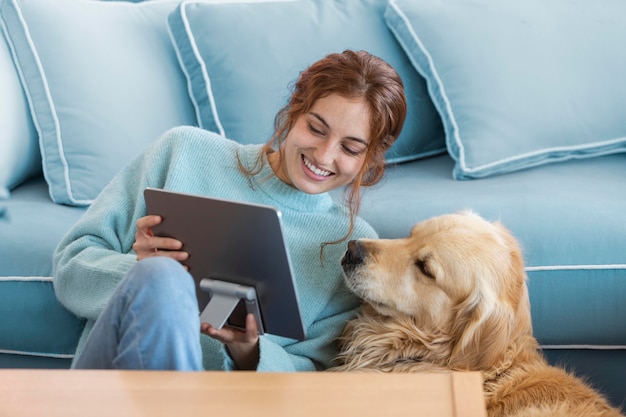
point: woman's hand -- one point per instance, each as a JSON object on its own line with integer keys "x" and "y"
{"x": 243, "y": 346}
{"x": 147, "y": 245}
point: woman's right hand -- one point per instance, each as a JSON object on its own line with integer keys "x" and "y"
{"x": 147, "y": 245}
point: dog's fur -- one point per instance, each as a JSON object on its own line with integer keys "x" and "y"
{"x": 453, "y": 296}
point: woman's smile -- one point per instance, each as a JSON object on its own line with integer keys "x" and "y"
{"x": 317, "y": 173}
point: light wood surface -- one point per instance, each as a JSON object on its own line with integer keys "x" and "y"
{"x": 67, "y": 393}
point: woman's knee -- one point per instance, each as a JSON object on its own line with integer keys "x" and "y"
{"x": 161, "y": 277}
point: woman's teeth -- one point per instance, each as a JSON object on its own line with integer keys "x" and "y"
{"x": 315, "y": 169}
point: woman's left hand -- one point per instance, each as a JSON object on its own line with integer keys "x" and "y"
{"x": 243, "y": 346}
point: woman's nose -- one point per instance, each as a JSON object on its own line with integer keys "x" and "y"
{"x": 326, "y": 151}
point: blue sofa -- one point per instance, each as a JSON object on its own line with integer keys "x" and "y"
{"x": 515, "y": 111}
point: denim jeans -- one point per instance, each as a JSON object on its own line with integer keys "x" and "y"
{"x": 150, "y": 322}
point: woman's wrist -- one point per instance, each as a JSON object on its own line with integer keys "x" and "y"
{"x": 245, "y": 355}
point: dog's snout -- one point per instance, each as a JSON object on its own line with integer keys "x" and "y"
{"x": 354, "y": 254}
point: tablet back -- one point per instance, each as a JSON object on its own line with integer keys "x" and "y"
{"x": 236, "y": 242}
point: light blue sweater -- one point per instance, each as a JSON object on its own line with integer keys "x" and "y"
{"x": 97, "y": 252}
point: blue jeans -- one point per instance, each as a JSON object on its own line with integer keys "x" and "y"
{"x": 150, "y": 322}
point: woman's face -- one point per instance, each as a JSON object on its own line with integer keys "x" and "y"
{"x": 326, "y": 147}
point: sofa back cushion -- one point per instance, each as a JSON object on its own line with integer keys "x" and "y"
{"x": 102, "y": 80}
{"x": 520, "y": 83}
{"x": 241, "y": 57}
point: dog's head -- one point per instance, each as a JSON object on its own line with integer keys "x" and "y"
{"x": 455, "y": 274}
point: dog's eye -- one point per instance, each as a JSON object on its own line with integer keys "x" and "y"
{"x": 422, "y": 264}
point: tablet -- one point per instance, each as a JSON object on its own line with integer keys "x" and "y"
{"x": 237, "y": 257}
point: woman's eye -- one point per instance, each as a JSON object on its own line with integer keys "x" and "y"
{"x": 315, "y": 131}
{"x": 351, "y": 151}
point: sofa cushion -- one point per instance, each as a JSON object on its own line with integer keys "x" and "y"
{"x": 102, "y": 81}
{"x": 51, "y": 331}
{"x": 520, "y": 83}
{"x": 241, "y": 57}
{"x": 19, "y": 152}
{"x": 34, "y": 325}
{"x": 30, "y": 229}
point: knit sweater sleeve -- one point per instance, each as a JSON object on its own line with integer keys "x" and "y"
{"x": 97, "y": 252}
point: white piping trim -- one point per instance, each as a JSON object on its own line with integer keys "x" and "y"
{"x": 205, "y": 74}
{"x": 408, "y": 26}
{"x": 26, "y": 279}
{"x": 183, "y": 67}
{"x": 576, "y": 267}
{"x": 583, "y": 347}
{"x": 556, "y": 154}
{"x": 39, "y": 354}
{"x": 433, "y": 71}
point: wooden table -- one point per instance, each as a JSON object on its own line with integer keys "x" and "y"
{"x": 67, "y": 393}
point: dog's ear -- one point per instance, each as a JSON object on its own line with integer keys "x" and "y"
{"x": 481, "y": 334}
{"x": 495, "y": 316}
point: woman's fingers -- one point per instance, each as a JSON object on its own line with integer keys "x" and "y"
{"x": 229, "y": 335}
{"x": 147, "y": 222}
{"x": 147, "y": 245}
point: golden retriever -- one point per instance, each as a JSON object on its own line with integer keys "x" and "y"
{"x": 453, "y": 296}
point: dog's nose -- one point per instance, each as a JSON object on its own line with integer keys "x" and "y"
{"x": 354, "y": 254}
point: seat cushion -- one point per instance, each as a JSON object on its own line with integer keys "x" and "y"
{"x": 31, "y": 226}
{"x": 34, "y": 325}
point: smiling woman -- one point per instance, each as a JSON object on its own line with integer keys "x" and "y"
{"x": 345, "y": 112}
{"x": 363, "y": 96}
